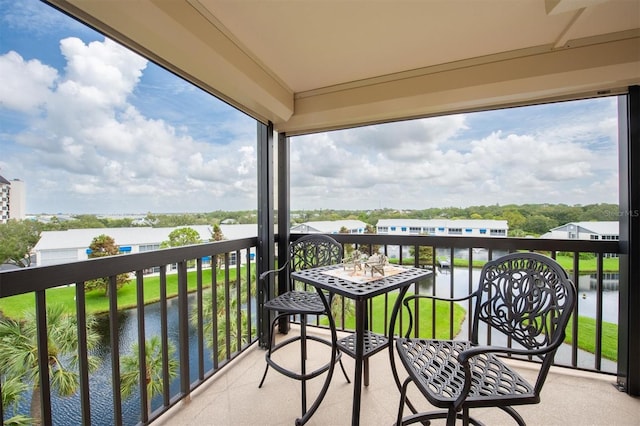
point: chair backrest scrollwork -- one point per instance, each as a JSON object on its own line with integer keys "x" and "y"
{"x": 312, "y": 251}
{"x": 526, "y": 296}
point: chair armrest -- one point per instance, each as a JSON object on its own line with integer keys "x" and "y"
{"x": 466, "y": 355}
{"x": 426, "y": 296}
{"x": 272, "y": 271}
{"x": 408, "y": 299}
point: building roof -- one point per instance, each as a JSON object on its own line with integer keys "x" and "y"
{"x": 328, "y": 226}
{"x": 81, "y": 238}
{"x": 595, "y": 227}
{"x": 3, "y": 181}
{"x": 309, "y": 66}
{"x": 446, "y": 223}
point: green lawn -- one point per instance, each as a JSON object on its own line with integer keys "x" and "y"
{"x": 96, "y": 302}
{"x": 587, "y": 337}
{"x": 425, "y": 323}
{"x": 587, "y": 266}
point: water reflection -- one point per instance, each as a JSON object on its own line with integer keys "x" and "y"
{"x": 456, "y": 283}
{"x": 66, "y": 411}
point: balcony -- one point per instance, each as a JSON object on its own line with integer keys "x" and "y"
{"x": 204, "y": 387}
{"x": 308, "y": 83}
{"x": 570, "y": 397}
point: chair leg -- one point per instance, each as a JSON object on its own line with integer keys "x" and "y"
{"x": 264, "y": 376}
{"x": 403, "y": 397}
{"x": 451, "y": 417}
{"x": 365, "y": 367}
{"x": 513, "y": 413}
{"x": 303, "y": 360}
{"x": 343, "y": 370}
{"x": 465, "y": 417}
{"x": 271, "y": 341}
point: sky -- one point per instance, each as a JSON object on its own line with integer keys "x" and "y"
{"x": 91, "y": 127}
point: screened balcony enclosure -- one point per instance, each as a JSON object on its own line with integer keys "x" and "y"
{"x": 302, "y": 67}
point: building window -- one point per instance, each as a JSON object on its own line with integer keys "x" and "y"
{"x": 415, "y": 229}
{"x": 393, "y": 228}
{"x": 383, "y": 229}
{"x": 483, "y": 231}
{"x": 595, "y": 237}
{"x": 455, "y": 231}
{"x": 468, "y": 230}
{"x": 498, "y": 232}
{"x": 430, "y": 231}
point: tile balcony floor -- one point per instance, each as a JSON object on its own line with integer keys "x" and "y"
{"x": 569, "y": 397}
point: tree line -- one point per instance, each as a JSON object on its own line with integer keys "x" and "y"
{"x": 17, "y": 238}
{"x": 523, "y": 219}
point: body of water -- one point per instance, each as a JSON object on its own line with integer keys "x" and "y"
{"x": 66, "y": 411}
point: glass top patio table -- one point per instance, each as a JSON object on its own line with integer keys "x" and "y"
{"x": 322, "y": 279}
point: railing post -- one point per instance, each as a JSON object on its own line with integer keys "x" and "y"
{"x": 265, "y": 249}
{"x": 629, "y": 288}
{"x": 183, "y": 329}
{"x": 142, "y": 348}
{"x": 83, "y": 363}
{"x": 284, "y": 221}
{"x": 43, "y": 358}
{"x": 114, "y": 340}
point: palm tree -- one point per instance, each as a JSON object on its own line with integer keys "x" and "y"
{"x": 19, "y": 348}
{"x": 130, "y": 374}
{"x": 221, "y": 314}
{"x": 12, "y": 389}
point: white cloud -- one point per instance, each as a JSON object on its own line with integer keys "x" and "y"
{"x": 89, "y": 140}
{"x": 107, "y": 131}
{"x": 103, "y": 73}
{"x": 425, "y": 163}
{"x": 26, "y": 84}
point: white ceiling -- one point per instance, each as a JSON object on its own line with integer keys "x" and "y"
{"x": 314, "y": 44}
{"x": 310, "y": 65}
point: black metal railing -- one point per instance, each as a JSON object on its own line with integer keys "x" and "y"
{"x": 213, "y": 285}
{"x": 456, "y": 262}
{"x": 213, "y": 327}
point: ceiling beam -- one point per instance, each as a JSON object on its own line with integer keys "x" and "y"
{"x": 586, "y": 71}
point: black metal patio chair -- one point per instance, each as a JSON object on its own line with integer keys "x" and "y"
{"x": 528, "y": 298}
{"x": 307, "y": 252}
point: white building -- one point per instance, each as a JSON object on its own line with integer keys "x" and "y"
{"x": 56, "y": 247}
{"x": 604, "y": 230}
{"x": 5, "y": 187}
{"x": 443, "y": 227}
{"x": 12, "y": 200}
{"x": 17, "y": 200}
{"x": 330, "y": 227}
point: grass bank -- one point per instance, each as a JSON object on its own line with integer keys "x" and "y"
{"x": 96, "y": 302}
{"x": 16, "y": 306}
{"x": 587, "y": 266}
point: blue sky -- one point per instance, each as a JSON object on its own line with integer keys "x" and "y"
{"x": 93, "y": 128}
